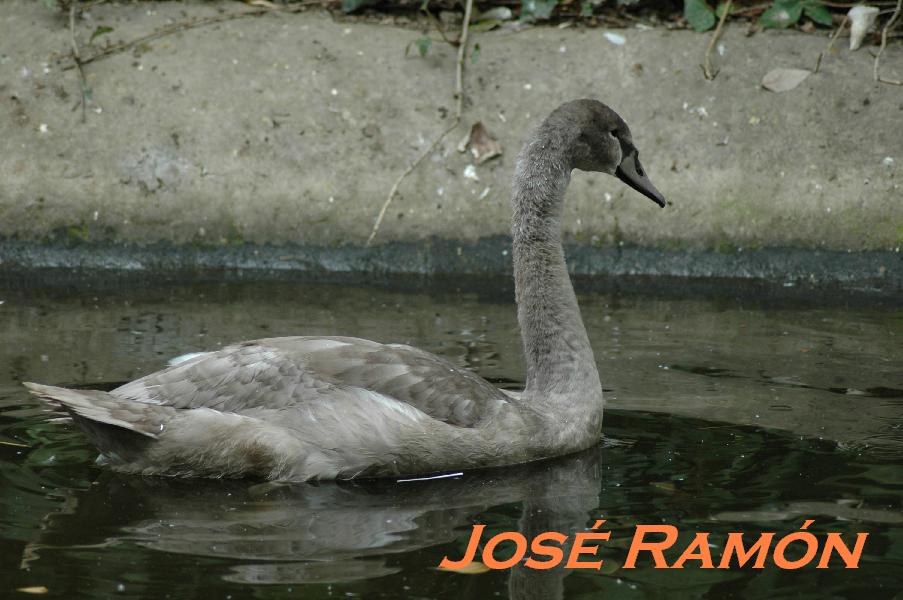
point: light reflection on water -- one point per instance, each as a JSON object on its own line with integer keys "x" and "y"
{"x": 727, "y": 414}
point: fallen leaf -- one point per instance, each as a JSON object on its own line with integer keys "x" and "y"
{"x": 783, "y": 80}
{"x": 861, "y": 20}
{"x": 473, "y": 568}
{"x": 482, "y": 145}
{"x": 262, "y": 3}
{"x": 34, "y": 589}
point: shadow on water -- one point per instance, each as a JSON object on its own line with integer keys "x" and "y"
{"x": 736, "y": 413}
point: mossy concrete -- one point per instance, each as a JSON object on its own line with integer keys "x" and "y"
{"x": 288, "y": 130}
{"x": 875, "y": 273}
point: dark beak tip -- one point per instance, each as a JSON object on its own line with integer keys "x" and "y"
{"x": 628, "y": 173}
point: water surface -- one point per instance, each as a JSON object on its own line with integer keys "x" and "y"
{"x": 729, "y": 410}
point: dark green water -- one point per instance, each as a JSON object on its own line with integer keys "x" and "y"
{"x": 730, "y": 410}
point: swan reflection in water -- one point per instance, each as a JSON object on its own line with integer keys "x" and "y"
{"x": 332, "y": 532}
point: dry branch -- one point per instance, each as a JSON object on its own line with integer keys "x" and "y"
{"x": 884, "y": 31}
{"x": 830, "y": 44}
{"x": 76, "y": 56}
{"x": 706, "y": 64}
{"x": 190, "y": 24}
{"x": 459, "y": 105}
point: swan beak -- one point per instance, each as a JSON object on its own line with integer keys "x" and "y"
{"x": 631, "y": 172}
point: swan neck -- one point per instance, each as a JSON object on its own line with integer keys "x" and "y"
{"x": 561, "y": 369}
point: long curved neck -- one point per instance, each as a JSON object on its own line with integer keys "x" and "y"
{"x": 561, "y": 372}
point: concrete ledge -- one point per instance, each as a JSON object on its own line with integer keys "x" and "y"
{"x": 875, "y": 272}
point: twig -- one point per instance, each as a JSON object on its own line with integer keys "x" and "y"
{"x": 830, "y": 44}
{"x": 436, "y": 23}
{"x": 91, "y": 4}
{"x": 459, "y": 67}
{"x": 77, "y": 58}
{"x": 884, "y": 31}
{"x": 191, "y": 24}
{"x": 459, "y": 105}
{"x": 706, "y": 60}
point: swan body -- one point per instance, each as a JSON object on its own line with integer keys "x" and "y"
{"x": 301, "y": 408}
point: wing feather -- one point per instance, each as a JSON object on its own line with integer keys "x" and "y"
{"x": 284, "y": 373}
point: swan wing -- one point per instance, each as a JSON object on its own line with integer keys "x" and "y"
{"x": 281, "y": 373}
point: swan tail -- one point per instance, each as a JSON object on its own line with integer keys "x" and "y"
{"x": 138, "y": 437}
{"x": 105, "y": 409}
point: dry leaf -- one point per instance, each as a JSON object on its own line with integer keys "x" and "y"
{"x": 482, "y": 145}
{"x": 262, "y": 3}
{"x": 473, "y": 568}
{"x": 34, "y": 589}
{"x": 783, "y": 80}
{"x": 861, "y": 20}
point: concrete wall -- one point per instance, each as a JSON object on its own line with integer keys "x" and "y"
{"x": 290, "y": 129}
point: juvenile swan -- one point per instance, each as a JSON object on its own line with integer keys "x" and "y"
{"x": 301, "y": 408}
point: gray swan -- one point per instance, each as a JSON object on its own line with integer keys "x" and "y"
{"x": 303, "y": 408}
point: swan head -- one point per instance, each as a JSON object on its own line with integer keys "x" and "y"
{"x": 600, "y": 141}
